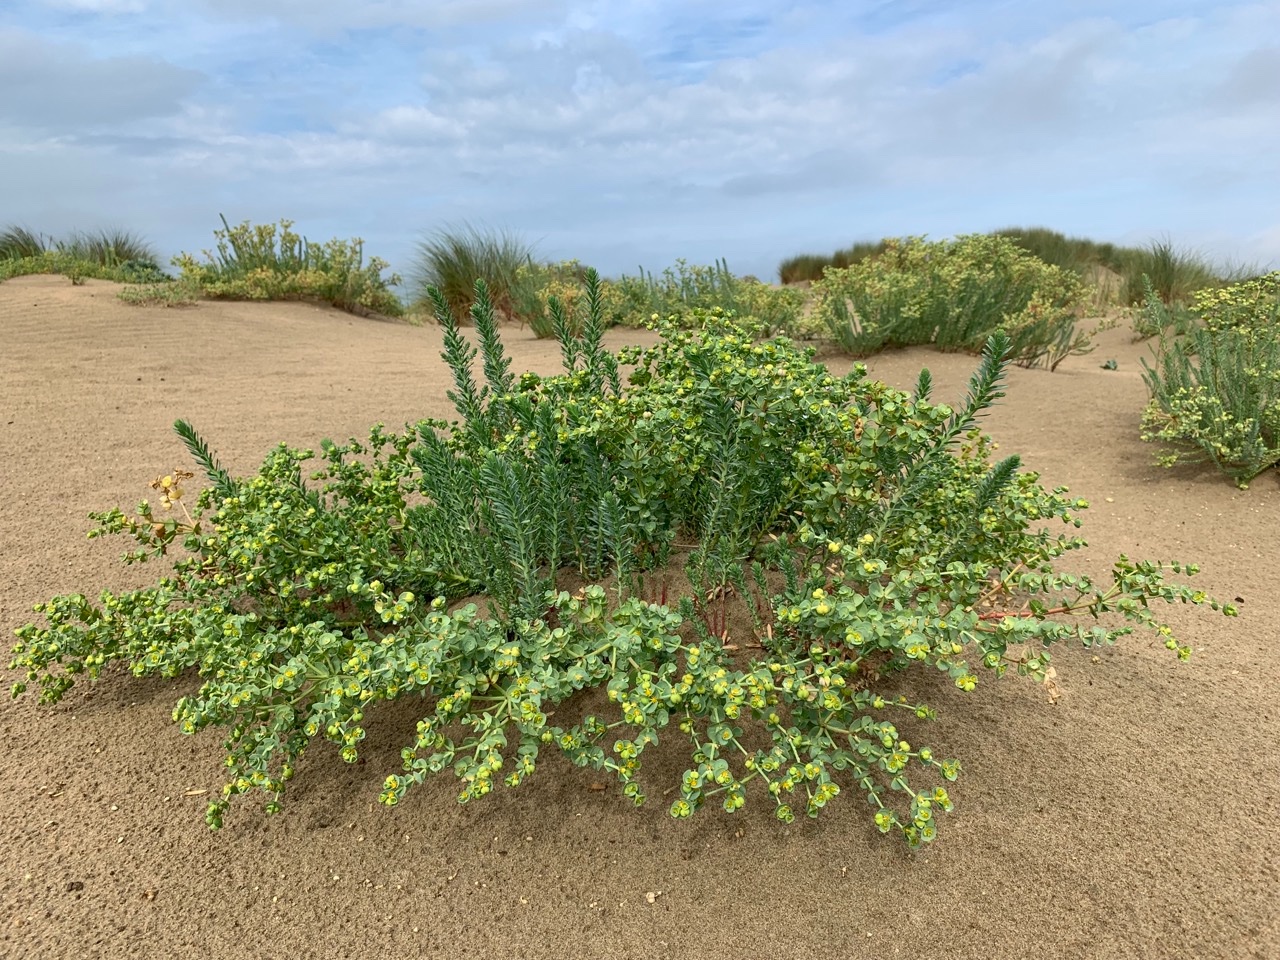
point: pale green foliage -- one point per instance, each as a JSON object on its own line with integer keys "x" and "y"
{"x": 866, "y": 528}
{"x": 1114, "y": 272}
{"x": 681, "y": 289}
{"x": 1215, "y": 390}
{"x": 954, "y": 295}
{"x": 55, "y": 261}
{"x": 171, "y": 293}
{"x": 540, "y": 289}
{"x": 1248, "y": 305}
{"x": 1156, "y": 318}
{"x": 267, "y": 262}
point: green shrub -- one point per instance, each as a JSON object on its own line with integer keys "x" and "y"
{"x": 1174, "y": 274}
{"x": 167, "y": 293}
{"x": 772, "y": 311}
{"x": 52, "y": 262}
{"x": 679, "y": 288}
{"x": 454, "y": 259}
{"x": 954, "y": 295}
{"x": 1215, "y": 391}
{"x": 683, "y": 289}
{"x": 265, "y": 263}
{"x": 1155, "y": 318}
{"x": 1249, "y": 305}
{"x": 540, "y": 289}
{"x": 866, "y": 528}
{"x": 77, "y": 270}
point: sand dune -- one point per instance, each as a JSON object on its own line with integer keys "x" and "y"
{"x": 1135, "y": 817}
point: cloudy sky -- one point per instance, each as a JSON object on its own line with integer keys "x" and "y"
{"x": 626, "y": 133}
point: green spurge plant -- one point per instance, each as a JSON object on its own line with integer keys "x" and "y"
{"x": 955, "y": 295}
{"x": 1157, "y": 318}
{"x": 264, "y": 262}
{"x": 865, "y": 528}
{"x": 685, "y": 290}
{"x": 1215, "y": 391}
{"x": 537, "y": 286}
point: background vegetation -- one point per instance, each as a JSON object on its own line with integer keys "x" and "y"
{"x": 521, "y": 288}
{"x": 810, "y": 266}
{"x": 954, "y": 295}
{"x": 1031, "y": 283}
{"x": 117, "y": 255}
{"x": 267, "y": 262}
{"x": 456, "y": 257}
{"x": 1116, "y": 271}
{"x": 684, "y": 289}
{"x": 1215, "y": 379}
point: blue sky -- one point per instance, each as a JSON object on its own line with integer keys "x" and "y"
{"x": 634, "y": 133}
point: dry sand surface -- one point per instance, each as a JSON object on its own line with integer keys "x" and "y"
{"x": 1135, "y": 817}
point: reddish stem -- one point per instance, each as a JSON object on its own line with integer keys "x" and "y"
{"x": 1005, "y": 614}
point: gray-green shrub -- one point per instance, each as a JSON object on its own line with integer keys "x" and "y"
{"x": 954, "y": 294}
{"x": 266, "y": 262}
{"x": 1215, "y": 391}
{"x": 685, "y": 288}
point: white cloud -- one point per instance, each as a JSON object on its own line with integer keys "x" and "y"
{"x": 412, "y": 124}
{"x": 63, "y": 87}
{"x": 99, "y": 6}
{"x": 653, "y": 130}
{"x": 327, "y": 16}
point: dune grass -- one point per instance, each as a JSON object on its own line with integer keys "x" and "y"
{"x": 110, "y": 254}
{"x": 1173, "y": 274}
{"x": 453, "y": 259}
{"x": 22, "y": 243}
{"x": 110, "y": 248}
{"x": 810, "y": 266}
{"x": 105, "y": 248}
{"x": 1071, "y": 253}
{"x": 552, "y": 298}
{"x": 684, "y": 291}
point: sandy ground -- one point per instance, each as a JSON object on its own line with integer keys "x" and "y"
{"x": 1136, "y": 817}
